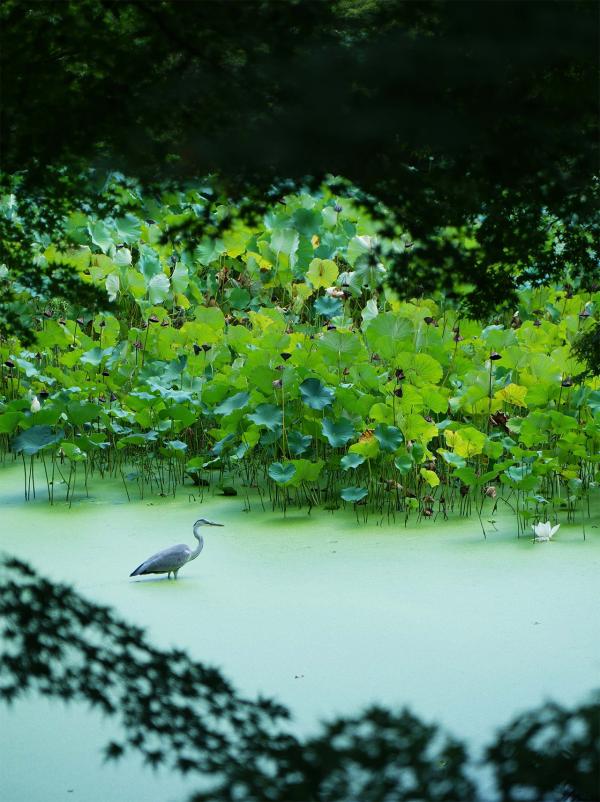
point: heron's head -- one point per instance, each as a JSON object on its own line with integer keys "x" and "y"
{"x": 205, "y": 522}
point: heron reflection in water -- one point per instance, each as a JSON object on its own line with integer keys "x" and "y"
{"x": 169, "y": 561}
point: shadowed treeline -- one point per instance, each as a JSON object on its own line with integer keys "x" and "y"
{"x": 186, "y": 716}
{"x": 476, "y": 124}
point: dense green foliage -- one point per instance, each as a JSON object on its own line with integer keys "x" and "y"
{"x": 275, "y": 355}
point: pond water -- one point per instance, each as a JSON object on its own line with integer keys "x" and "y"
{"x": 321, "y": 612}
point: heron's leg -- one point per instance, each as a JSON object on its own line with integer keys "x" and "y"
{"x": 175, "y": 574}
{"x": 168, "y": 575}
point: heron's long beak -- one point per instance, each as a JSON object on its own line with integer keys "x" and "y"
{"x": 212, "y": 523}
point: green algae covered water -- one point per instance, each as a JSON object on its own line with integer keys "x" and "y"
{"x": 323, "y": 613}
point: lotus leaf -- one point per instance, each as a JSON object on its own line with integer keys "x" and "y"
{"x": 322, "y": 273}
{"x": 79, "y": 414}
{"x": 430, "y": 477}
{"x": 466, "y": 475}
{"x": 101, "y": 236}
{"x": 73, "y": 452}
{"x": 234, "y": 402}
{"x": 9, "y": 421}
{"x": 298, "y": 442}
{"x": 513, "y": 394}
{"x": 306, "y": 471}
{"x": 389, "y": 437}
{"x": 354, "y": 494}
{"x": 404, "y": 463}
{"x": 280, "y": 473}
{"x": 315, "y": 394}
{"x": 339, "y": 432}
{"x": 351, "y": 461}
{"x": 467, "y": 442}
{"x": 35, "y": 439}
{"x": 452, "y": 459}
{"x": 328, "y": 307}
{"x": 138, "y": 439}
{"x": 267, "y": 415}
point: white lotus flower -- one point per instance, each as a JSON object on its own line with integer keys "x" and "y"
{"x": 35, "y": 404}
{"x": 544, "y": 532}
{"x": 334, "y": 292}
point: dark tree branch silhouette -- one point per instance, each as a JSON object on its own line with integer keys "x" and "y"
{"x": 182, "y": 714}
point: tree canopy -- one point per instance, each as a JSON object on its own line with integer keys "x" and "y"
{"x": 475, "y": 124}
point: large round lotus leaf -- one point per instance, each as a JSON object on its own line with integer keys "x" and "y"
{"x": 95, "y": 356}
{"x": 9, "y": 421}
{"x": 176, "y": 446}
{"x": 224, "y": 445}
{"x": 404, "y": 463}
{"x": 128, "y": 229}
{"x": 368, "y": 447}
{"x": 415, "y": 427}
{"x": 49, "y": 414}
{"x": 468, "y": 442}
{"x": 593, "y": 400}
{"x": 298, "y": 442}
{"x": 381, "y": 412}
{"x": 351, "y": 461}
{"x": 180, "y": 278}
{"x": 267, "y": 415}
{"x": 78, "y": 414}
{"x": 306, "y": 221}
{"x": 354, "y": 494}
{"x": 385, "y": 332}
{"x": 342, "y": 347}
{"x": 306, "y": 471}
{"x": 37, "y": 438}
{"x": 138, "y": 439}
{"x": 235, "y": 239}
{"x": 322, "y": 272}
{"x": 158, "y": 288}
{"x": 328, "y": 307}
{"x": 561, "y": 424}
{"x": 101, "y": 235}
{"x": 239, "y": 298}
{"x": 430, "y": 477}
{"x": 452, "y": 459}
{"x": 281, "y": 473}
{"x": 315, "y": 394}
{"x": 149, "y": 262}
{"x": 517, "y": 473}
{"x": 512, "y": 394}
{"x": 338, "y": 433}
{"x": 285, "y": 240}
{"x": 466, "y": 475}
{"x": 73, "y": 452}
{"x": 390, "y": 437}
{"x": 420, "y": 369}
{"x": 229, "y": 405}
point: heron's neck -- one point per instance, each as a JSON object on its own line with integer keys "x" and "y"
{"x": 200, "y": 545}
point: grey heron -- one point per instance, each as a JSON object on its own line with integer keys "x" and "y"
{"x": 169, "y": 561}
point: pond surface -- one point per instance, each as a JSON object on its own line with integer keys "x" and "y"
{"x": 323, "y": 613}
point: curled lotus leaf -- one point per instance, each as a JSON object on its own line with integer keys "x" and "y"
{"x": 354, "y": 494}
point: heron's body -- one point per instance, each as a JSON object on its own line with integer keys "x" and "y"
{"x": 169, "y": 561}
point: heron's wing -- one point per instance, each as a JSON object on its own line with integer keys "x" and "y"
{"x": 166, "y": 560}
